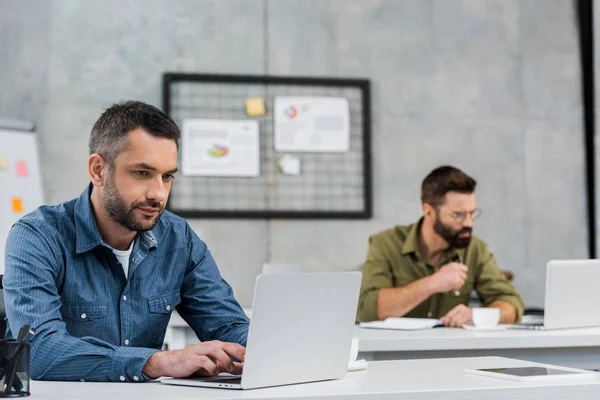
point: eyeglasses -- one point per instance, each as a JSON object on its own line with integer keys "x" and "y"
{"x": 460, "y": 216}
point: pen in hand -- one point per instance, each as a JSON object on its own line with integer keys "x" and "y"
{"x": 460, "y": 261}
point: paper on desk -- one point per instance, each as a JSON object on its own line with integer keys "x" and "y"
{"x": 403, "y": 324}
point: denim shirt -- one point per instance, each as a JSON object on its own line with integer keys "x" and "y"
{"x": 91, "y": 321}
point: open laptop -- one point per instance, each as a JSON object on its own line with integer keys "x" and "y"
{"x": 572, "y": 295}
{"x": 300, "y": 331}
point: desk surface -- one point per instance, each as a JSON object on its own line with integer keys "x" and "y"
{"x": 415, "y": 379}
{"x": 375, "y": 340}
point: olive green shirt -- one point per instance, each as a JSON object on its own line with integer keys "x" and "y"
{"x": 395, "y": 260}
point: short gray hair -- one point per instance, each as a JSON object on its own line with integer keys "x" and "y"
{"x": 109, "y": 134}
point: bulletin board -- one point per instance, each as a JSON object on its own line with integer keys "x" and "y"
{"x": 323, "y": 184}
{"x": 20, "y": 180}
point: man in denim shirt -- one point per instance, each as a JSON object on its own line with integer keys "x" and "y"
{"x": 98, "y": 276}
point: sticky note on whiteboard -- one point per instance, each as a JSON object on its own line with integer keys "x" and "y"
{"x": 21, "y": 168}
{"x": 255, "y": 106}
{"x": 17, "y": 205}
{"x": 3, "y": 163}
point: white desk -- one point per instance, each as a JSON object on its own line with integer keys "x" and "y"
{"x": 578, "y": 348}
{"x": 411, "y": 379}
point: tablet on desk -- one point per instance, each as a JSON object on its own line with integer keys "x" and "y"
{"x": 534, "y": 373}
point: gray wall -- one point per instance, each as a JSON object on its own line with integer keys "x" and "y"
{"x": 490, "y": 86}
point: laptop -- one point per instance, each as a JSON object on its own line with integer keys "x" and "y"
{"x": 572, "y": 295}
{"x": 301, "y": 331}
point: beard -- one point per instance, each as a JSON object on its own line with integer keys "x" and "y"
{"x": 121, "y": 213}
{"x": 452, "y": 236}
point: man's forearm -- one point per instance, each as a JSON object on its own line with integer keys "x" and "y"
{"x": 84, "y": 358}
{"x": 508, "y": 313}
{"x": 155, "y": 366}
{"x": 396, "y": 302}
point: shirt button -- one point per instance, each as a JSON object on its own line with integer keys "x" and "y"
{"x": 135, "y": 378}
{"x": 124, "y": 298}
{"x": 429, "y": 314}
{"x": 134, "y": 259}
{"x": 169, "y": 308}
{"x": 83, "y": 316}
{"x": 122, "y": 378}
{"x": 126, "y": 342}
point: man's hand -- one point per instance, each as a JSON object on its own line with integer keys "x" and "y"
{"x": 458, "y": 316}
{"x": 203, "y": 359}
{"x": 450, "y": 277}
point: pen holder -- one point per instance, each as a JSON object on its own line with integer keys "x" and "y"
{"x": 14, "y": 368}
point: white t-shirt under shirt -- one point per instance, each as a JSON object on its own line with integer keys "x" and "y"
{"x": 123, "y": 257}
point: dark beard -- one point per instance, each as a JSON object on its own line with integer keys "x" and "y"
{"x": 119, "y": 212}
{"x": 451, "y": 236}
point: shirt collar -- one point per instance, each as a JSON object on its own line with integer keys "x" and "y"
{"x": 87, "y": 236}
{"x": 411, "y": 244}
{"x": 149, "y": 239}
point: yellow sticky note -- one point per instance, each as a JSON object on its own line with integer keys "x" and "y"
{"x": 3, "y": 163}
{"x": 255, "y": 106}
{"x": 17, "y": 205}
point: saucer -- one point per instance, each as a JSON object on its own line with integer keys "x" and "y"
{"x": 491, "y": 328}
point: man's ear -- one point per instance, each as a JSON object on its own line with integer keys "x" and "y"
{"x": 428, "y": 211}
{"x": 97, "y": 169}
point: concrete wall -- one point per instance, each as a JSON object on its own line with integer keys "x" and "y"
{"x": 491, "y": 86}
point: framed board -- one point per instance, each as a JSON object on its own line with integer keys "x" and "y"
{"x": 281, "y": 171}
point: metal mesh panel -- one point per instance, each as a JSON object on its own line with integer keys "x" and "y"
{"x": 330, "y": 184}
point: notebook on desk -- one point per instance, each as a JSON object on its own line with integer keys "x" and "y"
{"x": 403, "y": 324}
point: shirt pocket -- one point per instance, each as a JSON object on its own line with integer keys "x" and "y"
{"x": 84, "y": 318}
{"x": 83, "y": 311}
{"x": 160, "y": 309}
{"x": 164, "y": 304}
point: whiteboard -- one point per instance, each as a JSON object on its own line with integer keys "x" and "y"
{"x": 20, "y": 180}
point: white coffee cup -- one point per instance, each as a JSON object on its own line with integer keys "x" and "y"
{"x": 353, "y": 350}
{"x": 486, "y": 317}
